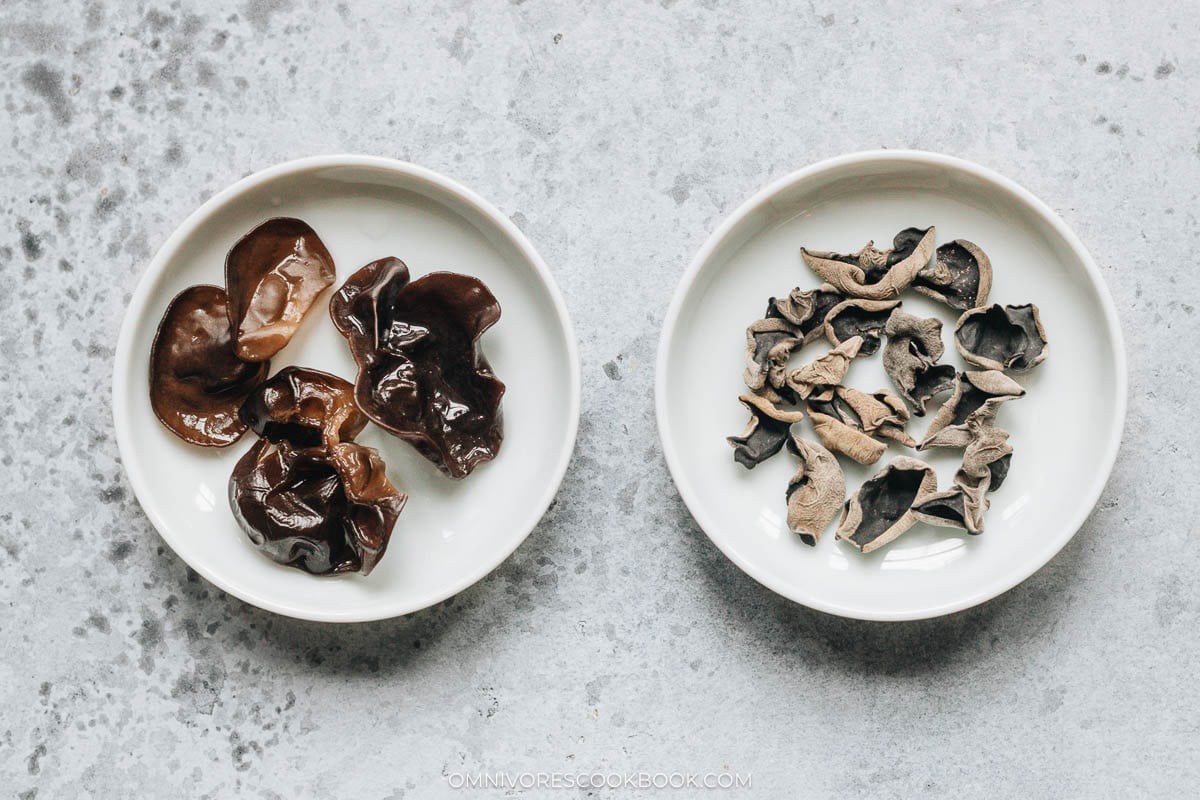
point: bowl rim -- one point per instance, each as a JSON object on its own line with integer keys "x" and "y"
{"x": 137, "y": 307}
{"x": 764, "y": 197}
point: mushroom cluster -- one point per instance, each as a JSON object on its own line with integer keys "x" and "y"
{"x": 858, "y": 310}
{"x": 306, "y": 494}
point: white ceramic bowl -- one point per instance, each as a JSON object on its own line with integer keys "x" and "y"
{"x": 451, "y": 533}
{"x": 1065, "y": 431}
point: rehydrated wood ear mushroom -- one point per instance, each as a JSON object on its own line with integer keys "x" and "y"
{"x": 1002, "y": 337}
{"x": 857, "y": 317}
{"x": 910, "y": 358}
{"x": 197, "y": 381}
{"x": 421, "y": 372}
{"x": 765, "y": 433}
{"x": 828, "y": 370}
{"x": 806, "y": 309}
{"x": 881, "y": 509}
{"x": 274, "y": 274}
{"x": 815, "y": 492}
{"x": 769, "y": 345}
{"x": 875, "y": 274}
{"x": 960, "y": 276}
{"x": 977, "y": 396}
{"x": 321, "y": 510}
{"x": 305, "y": 407}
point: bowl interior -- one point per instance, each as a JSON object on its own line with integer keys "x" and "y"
{"x": 451, "y": 533}
{"x": 1064, "y": 431}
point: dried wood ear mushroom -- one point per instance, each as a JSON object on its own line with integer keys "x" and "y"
{"x": 910, "y": 358}
{"x": 765, "y": 433}
{"x": 839, "y": 427}
{"x": 321, "y": 510}
{"x": 769, "y": 344}
{"x": 875, "y": 274}
{"x": 879, "y": 414}
{"x": 881, "y": 509}
{"x": 947, "y": 509}
{"x": 855, "y": 317}
{"x": 197, "y": 381}
{"x": 274, "y": 274}
{"x": 422, "y": 375}
{"x": 1002, "y": 337}
{"x": 960, "y": 276}
{"x": 305, "y": 407}
{"x": 806, "y": 309}
{"x": 977, "y": 396}
{"x": 828, "y": 370}
{"x": 815, "y": 492}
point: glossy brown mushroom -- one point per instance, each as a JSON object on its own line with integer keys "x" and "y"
{"x": 422, "y": 375}
{"x": 197, "y": 382}
{"x": 321, "y": 510}
{"x": 874, "y": 274}
{"x": 304, "y": 407}
{"x": 274, "y": 274}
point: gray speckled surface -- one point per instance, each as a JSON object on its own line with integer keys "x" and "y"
{"x": 616, "y": 134}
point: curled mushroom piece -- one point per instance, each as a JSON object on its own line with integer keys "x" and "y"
{"x": 274, "y": 274}
{"x": 960, "y": 276}
{"x": 305, "y": 407}
{"x": 984, "y": 467}
{"x": 1002, "y": 337}
{"x": 841, "y": 437}
{"x": 875, "y": 274}
{"x": 815, "y": 492}
{"x": 910, "y": 358}
{"x": 881, "y": 509}
{"x": 421, "y": 373}
{"x": 765, "y": 433}
{"x": 769, "y": 344}
{"x": 828, "y": 370}
{"x": 806, "y": 309}
{"x": 951, "y": 508}
{"x": 197, "y": 382}
{"x": 977, "y": 396}
{"x": 879, "y": 414}
{"x": 320, "y": 510}
{"x": 855, "y": 317}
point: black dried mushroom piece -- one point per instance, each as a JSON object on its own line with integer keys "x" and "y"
{"x": 815, "y": 492}
{"x": 806, "y": 309}
{"x": 1002, "y": 337}
{"x": 274, "y": 274}
{"x": 948, "y": 509}
{"x": 422, "y": 374}
{"x": 765, "y": 433}
{"x": 855, "y": 317}
{"x": 960, "y": 276}
{"x": 828, "y": 370}
{"x": 321, "y": 510}
{"x": 197, "y": 382}
{"x": 881, "y": 509}
{"x": 769, "y": 345}
{"x": 875, "y": 274}
{"x": 304, "y": 407}
{"x": 977, "y": 397}
{"x": 914, "y": 345}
